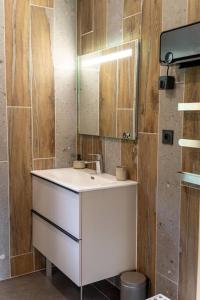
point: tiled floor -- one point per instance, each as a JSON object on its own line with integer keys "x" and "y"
{"x": 38, "y": 287}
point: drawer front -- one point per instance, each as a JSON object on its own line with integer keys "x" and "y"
{"x": 60, "y": 249}
{"x": 57, "y": 204}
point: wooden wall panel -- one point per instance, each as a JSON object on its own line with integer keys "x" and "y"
{"x": 22, "y": 264}
{"x": 193, "y": 11}
{"x": 126, "y": 79}
{"x": 43, "y": 164}
{"x": 39, "y": 261}
{"x": 132, "y": 7}
{"x": 147, "y": 178}
{"x": 45, "y": 3}
{"x": 100, "y": 13}
{"x": 19, "y": 125}
{"x": 17, "y": 52}
{"x": 85, "y": 146}
{"x": 150, "y": 69}
{"x": 87, "y": 14}
{"x": 42, "y": 84}
{"x": 108, "y": 93}
{"x": 191, "y": 160}
{"x": 129, "y": 155}
{"x": 87, "y": 43}
{"x": 132, "y": 28}
{"x": 124, "y": 122}
{"x": 192, "y": 85}
{"x": 190, "y": 213}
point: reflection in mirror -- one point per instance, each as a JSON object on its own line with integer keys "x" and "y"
{"x": 108, "y": 92}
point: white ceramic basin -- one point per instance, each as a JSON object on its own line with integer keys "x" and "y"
{"x": 81, "y": 180}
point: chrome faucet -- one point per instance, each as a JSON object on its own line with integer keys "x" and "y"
{"x": 98, "y": 162}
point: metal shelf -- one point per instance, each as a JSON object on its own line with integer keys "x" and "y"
{"x": 189, "y": 143}
{"x": 190, "y": 177}
{"x": 193, "y": 106}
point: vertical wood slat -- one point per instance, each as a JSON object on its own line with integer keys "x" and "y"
{"x": 190, "y": 213}
{"x": 45, "y": 3}
{"x": 17, "y": 16}
{"x": 129, "y": 155}
{"x": 193, "y": 11}
{"x": 43, "y": 164}
{"x": 107, "y": 94}
{"x": 190, "y": 198}
{"x": 86, "y": 15}
{"x": 147, "y": 178}
{"x": 132, "y": 7}
{"x": 43, "y": 99}
{"x": 19, "y": 125}
{"x": 150, "y": 68}
{"x": 100, "y": 13}
{"x": 132, "y": 28}
{"x": 126, "y": 77}
{"x": 22, "y": 264}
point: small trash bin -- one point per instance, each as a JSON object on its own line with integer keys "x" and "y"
{"x": 133, "y": 286}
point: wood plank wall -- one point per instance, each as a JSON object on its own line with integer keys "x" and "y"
{"x": 190, "y": 200}
{"x": 31, "y": 117}
{"x": 136, "y": 21}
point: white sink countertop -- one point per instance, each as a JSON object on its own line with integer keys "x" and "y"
{"x": 81, "y": 180}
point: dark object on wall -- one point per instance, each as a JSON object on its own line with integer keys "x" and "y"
{"x": 181, "y": 46}
{"x": 168, "y": 137}
{"x": 166, "y": 83}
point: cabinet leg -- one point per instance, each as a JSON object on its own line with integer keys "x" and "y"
{"x": 48, "y": 268}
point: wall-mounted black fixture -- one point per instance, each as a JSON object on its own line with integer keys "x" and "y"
{"x": 167, "y": 82}
{"x": 181, "y": 46}
{"x": 168, "y": 137}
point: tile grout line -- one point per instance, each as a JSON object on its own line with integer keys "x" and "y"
{"x": 41, "y": 6}
{"x": 101, "y": 292}
{"x": 133, "y": 15}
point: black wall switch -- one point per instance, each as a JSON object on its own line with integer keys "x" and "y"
{"x": 166, "y": 83}
{"x": 168, "y": 137}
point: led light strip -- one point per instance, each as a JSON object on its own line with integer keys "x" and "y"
{"x": 189, "y": 143}
{"x": 190, "y": 177}
{"x": 193, "y": 106}
{"x": 106, "y": 58}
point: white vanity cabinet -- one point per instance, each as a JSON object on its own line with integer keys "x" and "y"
{"x": 89, "y": 235}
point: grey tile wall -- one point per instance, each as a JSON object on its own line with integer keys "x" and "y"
{"x": 4, "y": 223}
{"x": 65, "y": 81}
{"x": 4, "y": 201}
{"x": 3, "y": 125}
{"x": 166, "y": 287}
{"x": 112, "y": 155}
{"x": 169, "y": 163}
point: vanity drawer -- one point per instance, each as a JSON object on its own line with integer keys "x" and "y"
{"x": 60, "y": 249}
{"x": 59, "y": 205}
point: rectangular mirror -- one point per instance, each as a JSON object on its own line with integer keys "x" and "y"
{"x": 108, "y": 92}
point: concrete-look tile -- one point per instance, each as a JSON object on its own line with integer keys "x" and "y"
{"x": 88, "y": 106}
{"x": 65, "y": 81}
{"x": 114, "y": 22}
{"x": 2, "y": 47}
{"x": 174, "y": 13}
{"x": 112, "y": 155}
{"x": 166, "y": 287}
{"x": 3, "y": 128}
{"x": 168, "y": 195}
{"x": 4, "y": 222}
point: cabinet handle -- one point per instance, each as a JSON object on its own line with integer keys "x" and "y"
{"x": 56, "y": 226}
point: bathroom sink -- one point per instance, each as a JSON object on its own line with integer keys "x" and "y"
{"x": 81, "y": 180}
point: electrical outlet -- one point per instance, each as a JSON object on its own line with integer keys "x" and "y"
{"x": 158, "y": 297}
{"x": 168, "y": 137}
